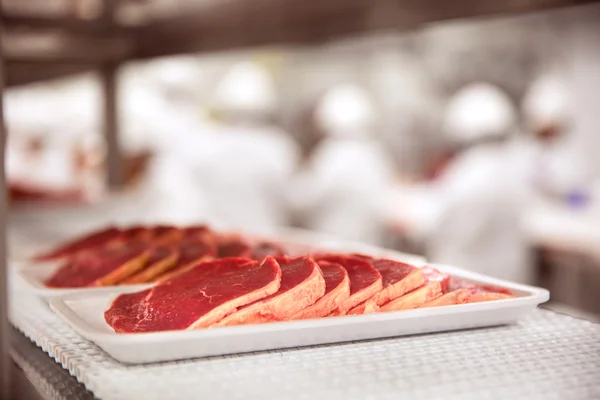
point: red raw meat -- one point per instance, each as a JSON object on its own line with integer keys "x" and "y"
{"x": 337, "y": 290}
{"x": 458, "y": 283}
{"x": 165, "y": 235}
{"x": 416, "y": 298}
{"x": 89, "y": 241}
{"x": 459, "y": 296}
{"x": 161, "y": 260}
{"x": 233, "y": 246}
{"x": 262, "y": 249}
{"x": 191, "y": 253}
{"x": 398, "y": 279}
{"x": 302, "y": 284}
{"x": 432, "y": 274}
{"x": 366, "y": 307}
{"x": 101, "y": 267}
{"x": 196, "y": 299}
{"x": 365, "y": 280}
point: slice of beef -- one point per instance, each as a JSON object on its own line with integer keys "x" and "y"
{"x": 92, "y": 240}
{"x": 162, "y": 259}
{"x": 365, "y": 280}
{"x": 101, "y": 267}
{"x": 196, "y": 299}
{"x": 478, "y": 297}
{"x": 436, "y": 284}
{"x": 416, "y": 298}
{"x": 398, "y": 279}
{"x": 459, "y": 283}
{"x": 459, "y": 296}
{"x": 432, "y": 274}
{"x": 263, "y": 248}
{"x": 136, "y": 234}
{"x": 165, "y": 235}
{"x": 302, "y": 284}
{"x": 191, "y": 253}
{"x": 197, "y": 231}
{"x": 337, "y": 290}
{"x": 233, "y": 246}
{"x": 366, "y": 307}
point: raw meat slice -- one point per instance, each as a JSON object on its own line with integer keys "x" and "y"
{"x": 198, "y": 231}
{"x": 89, "y": 241}
{"x": 432, "y": 274}
{"x": 398, "y": 279}
{"x": 161, "y": 260}
{"x": 302, "y": 284}
{"x": 191, "y": 253}
{"x": 233, "y": 246}
{"x": 366, "y": 307}
{"x": 365, "y": 280}
{"x": 337, "y": 290}
{"x": 196, "y": 299}
{"x": 458, "y": 283}
{"x": 262, "y": 249}
{"x": 459, "y": 296}
{"x": 478, "y": 297}
{"x": 138, "y": 234}
{"x": 100, "y": 267}
{"x": 415, "y": 298}
{"x": 165, "y": 235}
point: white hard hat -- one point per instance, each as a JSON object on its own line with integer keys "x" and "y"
{"x": 546, "y": 102}
{"x": 345, "y": 110}
{"x": 246, "y": 87}
{"x": 478, "y": 111}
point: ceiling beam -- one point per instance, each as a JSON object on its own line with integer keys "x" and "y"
{"x": 241, "y": 23}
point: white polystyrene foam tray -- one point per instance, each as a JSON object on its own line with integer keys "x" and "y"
{"x": 33, "y": 274}
{"x": 84, "y": 312}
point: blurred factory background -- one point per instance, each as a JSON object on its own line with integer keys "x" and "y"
{"x": 471, "y": 141}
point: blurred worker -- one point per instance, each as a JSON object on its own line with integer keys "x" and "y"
{"x": 344, "y": 186}
{"x": 247, "y": 160}
{"x": 477, "y": 222}
{"x": 162, "y": 116}
{"x": 552, "y": 168}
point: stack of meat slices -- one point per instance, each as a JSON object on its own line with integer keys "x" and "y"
{"x": 141, "y": 254}
{"x": 205, "y": 279}
{"x": 239, "y": 291}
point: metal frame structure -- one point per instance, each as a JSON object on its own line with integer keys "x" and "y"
{"x": 101, "y": 44}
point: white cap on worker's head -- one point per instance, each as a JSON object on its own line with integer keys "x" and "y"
{"x": 478, "y": 111}
{"x": 247, "y": 88}
{"x": 345, "y": 110}
{"x": 546, "y": 102}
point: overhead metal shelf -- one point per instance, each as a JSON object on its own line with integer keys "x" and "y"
{"x": 76, "y": 44}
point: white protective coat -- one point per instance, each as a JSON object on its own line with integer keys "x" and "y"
{"x": 343, "y": 189}
{"x": 244, "y": 167}
{"x": 481, "y": 194}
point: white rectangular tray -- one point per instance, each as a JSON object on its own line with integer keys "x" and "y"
{"x": 84, "y": 312}
{"x": 296, "y": 241}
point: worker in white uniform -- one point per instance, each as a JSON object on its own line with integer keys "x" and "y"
{"x": 476, "y": 224}
{"x": 247, "y": 160}
{"x": 162, "y": 115}
{"x": 554, "y": 169}
{"x": 343, "y": 188}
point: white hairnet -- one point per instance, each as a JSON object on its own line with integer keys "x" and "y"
{"x": 345, "y": 110}
{"x": 247, "y": 87}
{"x": 478, "y": 111}
{"x": 546, "y": 102}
